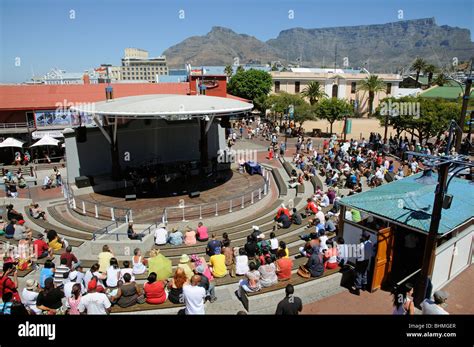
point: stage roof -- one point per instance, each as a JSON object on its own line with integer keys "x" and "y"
{"x": 410, "y": 203}
{"x": 165, "y": 105}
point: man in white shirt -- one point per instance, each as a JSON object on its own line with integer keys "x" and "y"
{"x": 161, "y": 235}
{"x": 379, "y": 174}
{"x": 435, "y": 307}
{"x": 93, "y": 302}
{"x": 194, "y": 296}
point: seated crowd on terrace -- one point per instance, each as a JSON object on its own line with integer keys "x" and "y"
{"x": 261, "y": 262}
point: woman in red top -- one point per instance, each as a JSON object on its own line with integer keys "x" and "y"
{"x": 7, "y": 285}
{"x": 311, "y": 206}
{"x": 283, "y": 266}
{"x": 154, "y": 290}
{"x": 282, "y": 210}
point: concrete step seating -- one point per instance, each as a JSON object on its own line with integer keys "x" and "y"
{"x": 65, "y": 232}
{"x": 60, "y": 213}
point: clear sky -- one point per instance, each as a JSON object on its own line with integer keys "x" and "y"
{"x": 43, "y": 34}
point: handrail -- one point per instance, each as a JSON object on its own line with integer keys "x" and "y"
{"x": 82, "y": 205}
{"x": 17, "y": 125}
{"x": 230, "y": 204}
{"x": 104, "y": 230}
{"x": 117, "y": 233}
{"x": 195, "y": 211}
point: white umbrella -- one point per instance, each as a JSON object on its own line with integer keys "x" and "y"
{"x": 46, "y": 141}
{"x": 11, "y": 142}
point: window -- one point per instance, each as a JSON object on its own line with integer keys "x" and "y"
{"x": 335, "y": 88}
{"x": 297, "y": 87}
{"x": 389, "y": 88}
{"x": 353, "y": 87}
{"x": 277, "y": 86}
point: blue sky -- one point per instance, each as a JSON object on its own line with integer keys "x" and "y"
{"x": 42, "y": 34}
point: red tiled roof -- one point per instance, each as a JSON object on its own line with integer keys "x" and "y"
{"x": 230, "y": 96}
{"x": 19, "y": 97}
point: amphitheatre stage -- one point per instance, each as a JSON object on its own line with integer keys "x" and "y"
{"x": 149, "y": 205}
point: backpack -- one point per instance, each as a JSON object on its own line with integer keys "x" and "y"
{"x": 264, "y": 247}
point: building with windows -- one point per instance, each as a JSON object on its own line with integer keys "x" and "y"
{"x": 340, "y": 83}
{"x": 58, "y": 76}
{"x": 137, "y": 65}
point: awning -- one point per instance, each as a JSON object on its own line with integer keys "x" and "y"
{"x": 38, "y": 134}
{"x": 11, "y": 142}
{"x": 46, "y": 141}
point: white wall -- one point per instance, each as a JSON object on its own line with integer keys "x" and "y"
{"x": 452, "y": 257}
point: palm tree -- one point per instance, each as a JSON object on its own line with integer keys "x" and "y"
{"x": 228, "y": 70}
{"x": 430, "y": 69}
{"x": 418, "y": 65}
{"x": 313, "y": 92}
{"x": 372, "y": 84}
{"x": 440, "y": 80}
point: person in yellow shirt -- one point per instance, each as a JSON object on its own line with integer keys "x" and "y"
{"x": 217, "y": 261}
{"x": 54, "y": 241}
{"x": 104, "y": 258}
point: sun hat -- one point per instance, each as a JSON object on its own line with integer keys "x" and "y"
{"x": 72, "y": 275}
{"x": 31, "y": 284}
{"x": 184, "y": 259}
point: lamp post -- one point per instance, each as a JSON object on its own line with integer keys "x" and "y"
{"x": 444, "y": 164}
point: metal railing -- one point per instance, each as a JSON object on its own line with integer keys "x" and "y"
{"x": 17, "y": 125}
{"x": 95, "y": 209}
{"x": 105, "y": 231}
{"x": 185, "y": 213}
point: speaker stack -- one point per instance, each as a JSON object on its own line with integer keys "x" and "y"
{"x": 81, "y": 134}
{"x": 194, "y": 194}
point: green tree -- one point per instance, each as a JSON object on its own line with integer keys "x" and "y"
{"x": 440, "y": 80}
{"x": 313, "y": 92}
{"x": 262, "y": 103}
{"x": 281, "y": 102}
{"x": 430, "y": 120}
{"x": 304, "y": 112}
{"x": 418, "y": 65}
{"x": 333, "y": 109}
{"x": 429, "y": 70}
{"x": 228, "y": 70}
{"x": 250, "y": 84}
{"x": 240, "y": 68}
{"x": 373, "y": 85}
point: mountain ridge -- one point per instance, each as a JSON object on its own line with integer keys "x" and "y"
{"x": 385, "y": 47}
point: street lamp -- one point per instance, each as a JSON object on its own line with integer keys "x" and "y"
{"x": 445, "y": 165}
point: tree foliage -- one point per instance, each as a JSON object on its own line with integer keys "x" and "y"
{"x": 333, "y": 109}
{"x": 250, "y": 84}
{"x": 430, "y": 120}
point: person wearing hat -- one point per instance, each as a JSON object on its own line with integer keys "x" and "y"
{"x": 161, "y": 235}
{"x": 205, "y": 283}
{"x": 29, "y": 295}
{"x": 72, "y": 281}
{"x": 185, "y": 264}
{"x": 435, "y": 306}
{"x": 94, "y": 302}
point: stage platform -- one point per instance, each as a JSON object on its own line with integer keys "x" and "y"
{"x": 149, "y": 206}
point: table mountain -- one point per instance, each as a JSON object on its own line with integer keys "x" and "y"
{"x": 386, "y": 47}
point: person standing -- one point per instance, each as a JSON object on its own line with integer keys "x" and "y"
{"x": 362, "y": 263}
{"x": 290, "y": 305}
{"x": 57, "y": 175}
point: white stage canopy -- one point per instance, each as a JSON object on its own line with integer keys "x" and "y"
{"x": 166, "y": 106}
